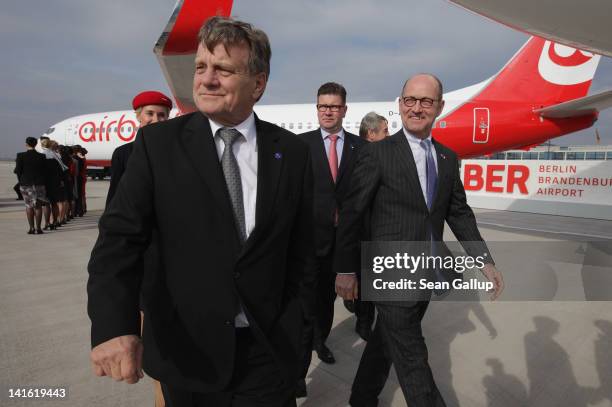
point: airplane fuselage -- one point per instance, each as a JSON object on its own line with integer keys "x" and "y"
{"x": 468, "y": 128}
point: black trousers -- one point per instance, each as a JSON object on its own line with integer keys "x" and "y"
{"x": 397, "y": 339}
{"x": 325, "y": 298}
{"x": 317, "y": 329}
{"x": 256, "y": 381}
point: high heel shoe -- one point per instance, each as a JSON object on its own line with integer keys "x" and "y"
{"x": 52, "y": 226}
{"x": 39, "y": 232}
{"x": 31, "y": 231}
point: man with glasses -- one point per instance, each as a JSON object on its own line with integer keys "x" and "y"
{"x": 410, "y": 185}
{"x": 333, "y": 151}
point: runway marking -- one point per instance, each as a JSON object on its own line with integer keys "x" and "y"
{"x": 544, "y": 230}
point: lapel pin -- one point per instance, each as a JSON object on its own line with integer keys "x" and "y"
{"x": 278, "y": 156}
{"x": 443, "y": 156}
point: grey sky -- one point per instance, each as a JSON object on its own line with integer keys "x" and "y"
{"x": 67, "y": 57}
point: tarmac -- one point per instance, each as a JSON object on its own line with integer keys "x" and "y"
{"x": 506, "y": 354}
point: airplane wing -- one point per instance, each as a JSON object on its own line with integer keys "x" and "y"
{"x": 578, "y": 107}
{"x": 583, "y": 24}
{"x": 176, "y": 47}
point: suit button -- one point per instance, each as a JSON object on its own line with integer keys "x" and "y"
{"x": 236, "y": 275}
{"x": 229, "y": 323}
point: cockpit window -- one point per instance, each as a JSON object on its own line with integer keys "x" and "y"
{"x": 50, "y": 130}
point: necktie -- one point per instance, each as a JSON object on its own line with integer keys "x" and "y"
{"x": 231, "y": 171}
{"x": 431, "y": 174}
{"x": 333, "y": 165}
{"x": 431, "y": 177}
{"x": 333, "y": 156}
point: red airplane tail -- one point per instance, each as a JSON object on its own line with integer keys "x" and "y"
{"x": 543, "y": 73}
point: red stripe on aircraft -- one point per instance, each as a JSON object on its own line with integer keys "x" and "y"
{"x": 183, "y": 37}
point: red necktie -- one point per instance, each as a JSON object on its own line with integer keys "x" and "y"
{"x": 333, "y": 165}
{"x": 333, "y": 156}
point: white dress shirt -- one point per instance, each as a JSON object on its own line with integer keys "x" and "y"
{"x": 339, "y": 144}
{"x": 245, "y": 151}
{"x": 420, "y": 158}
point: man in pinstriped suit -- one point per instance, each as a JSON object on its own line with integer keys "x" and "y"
{"x": 411, "y": 186}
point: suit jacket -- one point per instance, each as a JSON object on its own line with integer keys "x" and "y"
{"x": 174, "y": 189}
{"x": 119, "y": 162}
{"x": 385, "y": 182}
{"x": 328, "y": 195}
{"x": 30, "y": 168}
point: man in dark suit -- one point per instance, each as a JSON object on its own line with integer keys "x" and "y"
{"x": 333, "y": 151}
{"x": 150, "y": 107}
{"x": 410, "y": 185}
{"x": 223, "y": 320}
{"x": 373, "y": 128}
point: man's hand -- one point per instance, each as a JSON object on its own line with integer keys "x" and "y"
{"x": 494, "y": 276}
{"x": 119, "y": 358}
{"x": 346, "y": 286}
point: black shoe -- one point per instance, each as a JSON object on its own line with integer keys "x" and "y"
{"x": 300, "y": 389}
{"x": 46, "y": 227}
{"x": 39, "y": 232}
{"x": 52, "y": 226}
{"x": 363, "y": 330}
{"x": 325, "y": 355}
{"x": 31, "y": 232}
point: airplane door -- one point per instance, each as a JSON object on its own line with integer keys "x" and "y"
{"x": 481, "y": 125}
{"x": 71, "y": 131}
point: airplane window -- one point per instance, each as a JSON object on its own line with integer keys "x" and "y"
{"x": 290, "y": 125}
{"x": 309, "y": 125}
{"x": 443, "y": 124}
{"x": 50, "y": 130}
{"x": 609, "y": 155}
{"x": 282, "y": 125}
{"x": 394, "y": 125}
{"x": 299, "y": 126}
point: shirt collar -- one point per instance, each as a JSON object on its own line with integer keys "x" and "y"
{"x": 246, "y": 128}
{"x": 412, "y": 139}
{"x": 340, "y": 134}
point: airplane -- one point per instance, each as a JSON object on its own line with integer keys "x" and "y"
{"x": 580, "y": 24}
{"x": 538, "y": 95}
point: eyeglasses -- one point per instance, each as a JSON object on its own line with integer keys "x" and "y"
{"x": 333, "y": 108}
{"x": 410, "y": 101}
